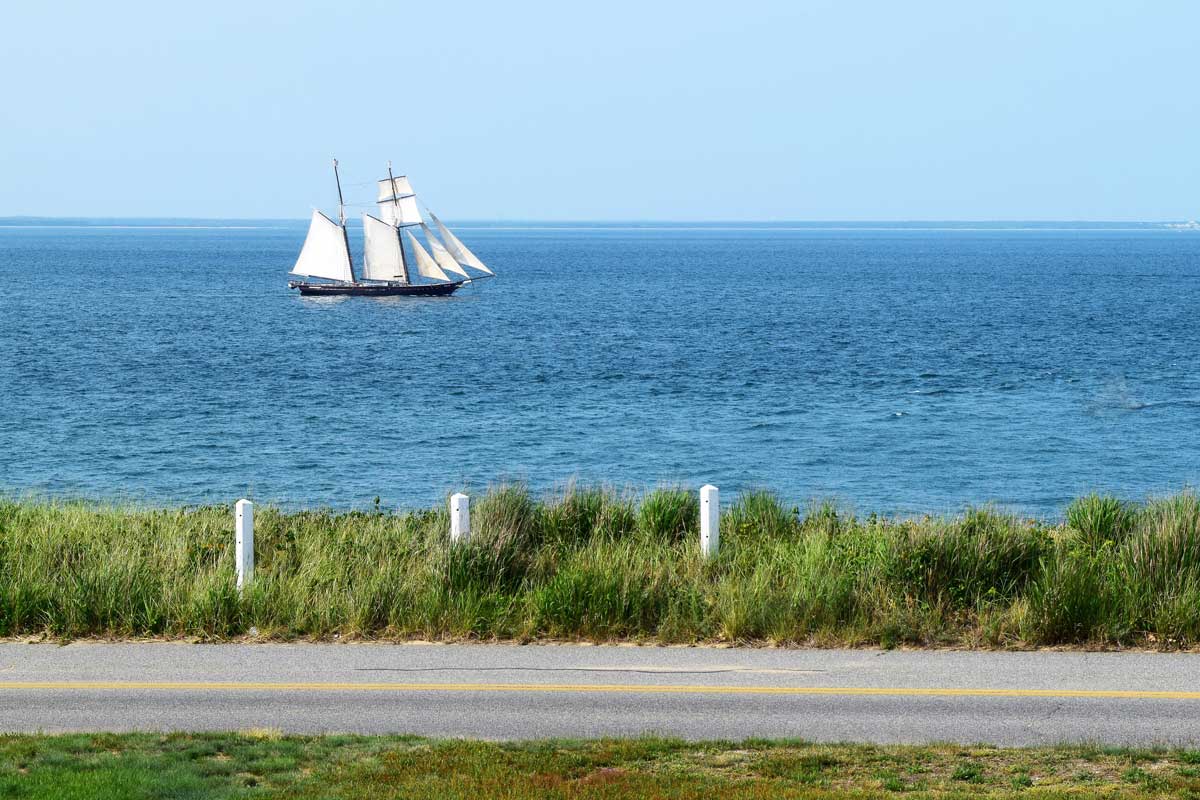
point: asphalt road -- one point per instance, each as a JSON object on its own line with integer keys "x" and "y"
{"x": 505, "y": 692}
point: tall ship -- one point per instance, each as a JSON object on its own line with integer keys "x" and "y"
{"x": 390, "y": 250}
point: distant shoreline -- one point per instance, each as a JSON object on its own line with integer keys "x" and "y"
{"x": 253, "y": 223}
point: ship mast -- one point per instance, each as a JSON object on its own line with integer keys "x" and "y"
{"x": 342, "y": 219}
{"x": 396, "y": 203}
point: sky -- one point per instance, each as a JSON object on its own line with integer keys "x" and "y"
{"x": 751, "y": 110}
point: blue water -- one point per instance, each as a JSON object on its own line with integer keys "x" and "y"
{"x": 907, "y": 370}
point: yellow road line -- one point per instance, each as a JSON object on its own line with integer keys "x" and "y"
{"x": 583, "y": 688}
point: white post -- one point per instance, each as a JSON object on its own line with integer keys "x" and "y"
{"x": 244, "y": 516}
{"x": 710, "y": 520}
{"x": 460, "y": 517}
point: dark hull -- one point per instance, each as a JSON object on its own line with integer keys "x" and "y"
{"x": 376, "y": 290}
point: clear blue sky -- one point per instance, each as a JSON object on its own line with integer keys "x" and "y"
{"x": 608, "y": 110}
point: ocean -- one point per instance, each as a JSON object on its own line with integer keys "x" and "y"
{"x": 899, "y": 369}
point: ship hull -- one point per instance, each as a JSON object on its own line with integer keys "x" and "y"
{"x": 376, "y": 290}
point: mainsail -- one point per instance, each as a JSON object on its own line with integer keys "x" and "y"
{"x": 325, "y": 254}
{"x": 383, "y": 258}
{"x": 459, "y": 250}
{"x": 425, "y": 264}
{"x": 441, "y": 255}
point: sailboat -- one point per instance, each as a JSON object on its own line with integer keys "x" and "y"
{"x": 385, "y": 269}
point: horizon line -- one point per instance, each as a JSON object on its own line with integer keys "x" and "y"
{"x": 639, "y": 220}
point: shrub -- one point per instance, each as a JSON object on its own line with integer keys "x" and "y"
{"x": 575, "y": 517}
{"x": 1072, "y": 599}
{"x": 759, "y": 514}
{"x": 669, "y": 515}
{"x": 984, "y": 557}
{"x": 1097, "y": 519}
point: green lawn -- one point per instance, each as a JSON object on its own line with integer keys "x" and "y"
{"x": 264, "y": 764}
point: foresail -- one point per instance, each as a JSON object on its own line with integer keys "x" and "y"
{"x": 324, "y": 254}
{"x": 459, "y": 250}
{"x": 383, "y": 260}
{"x": 441, "y": 255}
{"x": 402, "y": 188}
{"x": 425, "y": 264}
{"x": 406, "y": 214}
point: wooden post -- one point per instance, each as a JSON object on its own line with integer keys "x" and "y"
{"x": 710, "y": 520}
{"x": 460, "y": 517}
{"x": 244, "y": 519}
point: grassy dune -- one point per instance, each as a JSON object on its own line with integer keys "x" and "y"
{"x": 264, "y": 764}
{"x": 591, "y": 564}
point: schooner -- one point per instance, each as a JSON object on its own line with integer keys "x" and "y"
{"x": 386, "y": 264}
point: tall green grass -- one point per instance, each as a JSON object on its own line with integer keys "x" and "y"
{"x": 594, "y": 564}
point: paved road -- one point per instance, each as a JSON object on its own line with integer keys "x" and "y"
{"x": 500, "y": 691}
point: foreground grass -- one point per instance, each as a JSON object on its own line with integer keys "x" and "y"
{"x": 262, "y": 764}
{"x": 591, "y": 564}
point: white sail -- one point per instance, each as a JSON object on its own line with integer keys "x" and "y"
{"x": 459, "y": 250}
{"x": 425, "y": 264}
{"x": 409, "y": 214}
{"x": 324, "y": 254}
{"x": 382, "y": 258}
{"x": 441, "y": 255}
{"x": 403, "y": 188}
